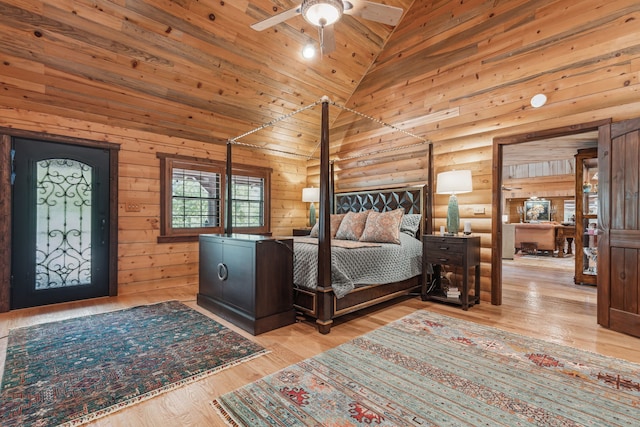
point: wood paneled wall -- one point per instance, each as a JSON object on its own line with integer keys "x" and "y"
{"x": 462, "y": 73}
{"x": 456, "y": 73}
{"x": 144, "y": 264}
{"x": 534, "y": 170}
{"x": 557, "y": 203}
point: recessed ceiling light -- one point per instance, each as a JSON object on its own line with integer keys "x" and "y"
{"x": 309, "y": 51}
{"x": 538, "y": 100}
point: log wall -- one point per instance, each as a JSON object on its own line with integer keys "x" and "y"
{"x": 458, "y": 74}
{"x": 143, "y": 263}
{"x": 462, "y": 73}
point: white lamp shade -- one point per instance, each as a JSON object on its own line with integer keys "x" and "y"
{"x": 322, "y": 12}
{"x": 454, "y": 182}
{"x": 311, "y": 194}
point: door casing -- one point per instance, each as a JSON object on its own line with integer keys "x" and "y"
{"x": 6, "y": 134}
{"x": 496, "y": 217}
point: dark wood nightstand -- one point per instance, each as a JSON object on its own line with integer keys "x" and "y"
{"x": 301, "y": 231}
{"x": 455, "y": 252}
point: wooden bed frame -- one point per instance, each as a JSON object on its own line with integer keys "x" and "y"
{"x": 322, "y": 304}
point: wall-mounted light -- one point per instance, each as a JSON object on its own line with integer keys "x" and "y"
{"x": 538, "y": 100}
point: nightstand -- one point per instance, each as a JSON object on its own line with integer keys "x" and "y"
{"x": 455, "y": 252}
{"x": 301, "y": 231}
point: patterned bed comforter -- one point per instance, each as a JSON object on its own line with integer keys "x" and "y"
{"x": 385, "y": 263}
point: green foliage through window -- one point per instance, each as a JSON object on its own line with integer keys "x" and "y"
{"x": 248, "y": 201}
{"x": 195, "y": 199}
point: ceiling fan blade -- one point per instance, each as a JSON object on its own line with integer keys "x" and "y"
{"x": 276, "y": 19}
{"x": 327, "y": 40}
{"x": 377, "y": 12}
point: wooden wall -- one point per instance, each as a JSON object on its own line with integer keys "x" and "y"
{"x": 142, "y": 262}
{"x": 556, "y": 188}
{"x": 557, "y": 203}
{"x": 456, "y": 73}
{"x": 462, "y": 73}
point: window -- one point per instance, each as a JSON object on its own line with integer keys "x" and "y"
{"x": 193, "y": 198}
{"x": 248, "y": 201}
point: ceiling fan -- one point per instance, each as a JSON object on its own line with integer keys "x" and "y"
{"x": 506, "y": 188}
{"x": 324, "y": 13}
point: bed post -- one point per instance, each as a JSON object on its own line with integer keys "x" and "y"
{"x": 324, "y": 294}
{"x": 332, "y": 189}
{"x": 428, "y": 209}
{"x": 228, "y": 229}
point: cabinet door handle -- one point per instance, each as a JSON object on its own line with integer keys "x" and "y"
{"x": 443, "y": 260}
{"x": 223, "y": 273}
{"x": 444, "y": 248}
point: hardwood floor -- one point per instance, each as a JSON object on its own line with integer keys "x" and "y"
{"x": 539, "y": 301}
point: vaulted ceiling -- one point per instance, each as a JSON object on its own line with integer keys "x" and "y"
{"x": 185, "y": 68}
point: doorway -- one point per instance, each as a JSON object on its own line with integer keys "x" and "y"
{"x": 61, "y": 222}
{"x": 498, "y": 154}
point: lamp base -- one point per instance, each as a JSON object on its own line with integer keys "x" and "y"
{"x": 312, "y": 215}
{"x": 453, "y": 216}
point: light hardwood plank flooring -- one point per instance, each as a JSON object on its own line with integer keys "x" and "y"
{"x": 538, "y": 301}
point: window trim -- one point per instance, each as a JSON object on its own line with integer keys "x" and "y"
{"x": 170, "y": 161}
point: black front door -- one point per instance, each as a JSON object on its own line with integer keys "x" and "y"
{"x": 60, "y": 223}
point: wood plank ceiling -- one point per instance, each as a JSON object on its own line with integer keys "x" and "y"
{"x": 185, "y": 68}
{"x": 559, "y": 148}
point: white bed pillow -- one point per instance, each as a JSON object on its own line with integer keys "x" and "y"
{"x": 410, "y": 224}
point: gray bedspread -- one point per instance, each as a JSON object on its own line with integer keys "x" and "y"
{"x": 385, "y": 263}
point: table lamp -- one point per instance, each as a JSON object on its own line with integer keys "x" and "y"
{"x": 454, "y": 182}
{"x": 311, "y": 195}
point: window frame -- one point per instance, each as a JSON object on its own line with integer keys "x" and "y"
{"x": 170, "y": 161}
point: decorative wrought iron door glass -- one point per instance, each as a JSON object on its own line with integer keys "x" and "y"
{"x": 63, "y": 230}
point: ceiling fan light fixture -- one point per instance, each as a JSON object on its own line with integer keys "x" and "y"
{"x": 322, "y": 12}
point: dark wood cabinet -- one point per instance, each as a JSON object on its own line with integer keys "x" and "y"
{"x": 247, "y": 280}
{"x": 455, "y": 252}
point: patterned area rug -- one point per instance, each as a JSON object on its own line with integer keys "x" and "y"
{"x": 74, "y": 371}
{"x": 427, "y": 369}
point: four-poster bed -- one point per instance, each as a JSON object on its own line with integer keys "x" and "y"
{"x": 321, "y": 302}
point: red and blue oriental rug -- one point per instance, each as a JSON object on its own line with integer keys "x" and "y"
{"x": 74, "y": 371}
{"x": 432, "y": 370}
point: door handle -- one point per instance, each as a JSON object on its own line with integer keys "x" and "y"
{"x": 223, "y": 272}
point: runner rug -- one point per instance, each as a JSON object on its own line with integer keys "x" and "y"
{"x": 427, "y": 369}
{"x": 73, "y": 371}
